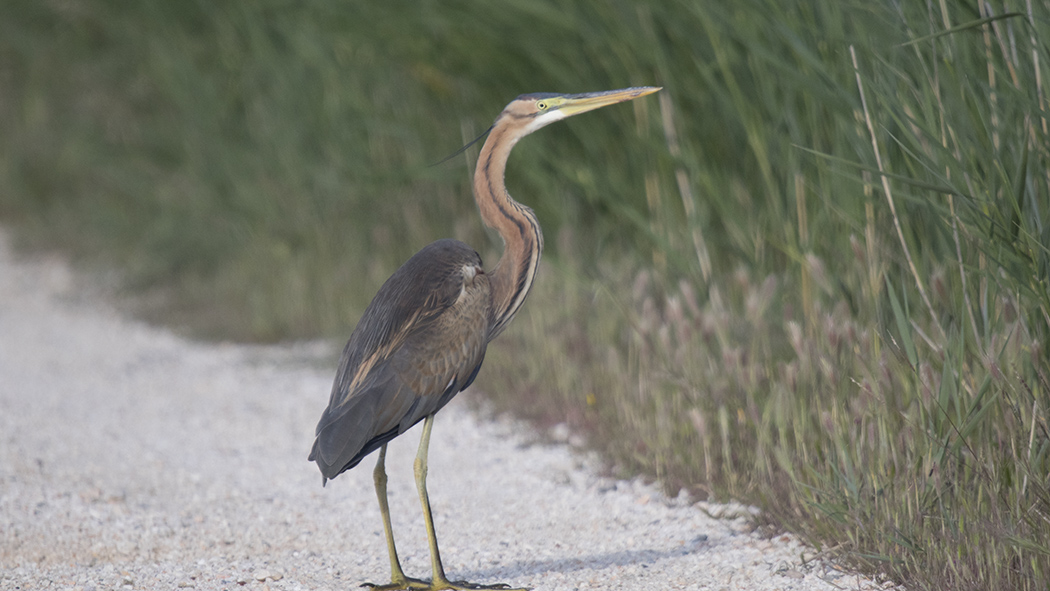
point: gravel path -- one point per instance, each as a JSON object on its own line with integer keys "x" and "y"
{"x": 131, "y": 458}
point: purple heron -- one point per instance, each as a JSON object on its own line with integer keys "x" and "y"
{"x": 423, "y": 337}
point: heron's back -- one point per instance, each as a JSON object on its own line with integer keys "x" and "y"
{"x": 420, "y": 342}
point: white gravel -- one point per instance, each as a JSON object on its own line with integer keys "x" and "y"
{"x": 132, "y": 458}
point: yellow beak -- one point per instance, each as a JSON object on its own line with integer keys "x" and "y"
{"x": 574, "y": 104}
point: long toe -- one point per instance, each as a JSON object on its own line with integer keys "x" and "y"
{"x": 465, "y": 586}
{"x": 404, "y": 585}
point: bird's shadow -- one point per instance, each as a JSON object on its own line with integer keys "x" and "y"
{"x": 590, "y": 562}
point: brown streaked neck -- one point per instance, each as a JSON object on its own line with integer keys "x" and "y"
{"x": 511, "y": 278}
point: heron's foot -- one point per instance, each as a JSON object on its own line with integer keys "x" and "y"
{"x": 439, "y": 585}
{"x": 400, "y": 584}
{"x": 465, "y": 586}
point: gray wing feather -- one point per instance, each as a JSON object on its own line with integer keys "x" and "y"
{"x": 397, "y": 368}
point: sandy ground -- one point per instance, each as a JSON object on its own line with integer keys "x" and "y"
{"x": 131, "y": 458}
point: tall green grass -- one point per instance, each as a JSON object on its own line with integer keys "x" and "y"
{"x": 859, "y": 344}
{"x": 813, "y": 273}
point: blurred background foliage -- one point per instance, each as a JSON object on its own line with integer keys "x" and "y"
{"x": 811, "y": 273}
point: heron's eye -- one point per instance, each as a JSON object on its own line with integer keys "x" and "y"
{"x": 542, "y": 105}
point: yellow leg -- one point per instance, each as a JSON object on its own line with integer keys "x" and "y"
{"x": 398, "y": 580}
{"x": 440, "y": 581}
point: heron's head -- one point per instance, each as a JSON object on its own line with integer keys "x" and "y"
{"x": 530, "y": 112}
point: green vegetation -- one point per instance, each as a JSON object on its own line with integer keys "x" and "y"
{"x": 813, "y": 273}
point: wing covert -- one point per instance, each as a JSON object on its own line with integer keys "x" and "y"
{"x": 419, "y": 342}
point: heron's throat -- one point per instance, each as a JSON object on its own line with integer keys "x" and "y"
{"x": 511, "y": 278}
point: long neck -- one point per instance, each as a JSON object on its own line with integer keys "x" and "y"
{"x": 511, "y": 279}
